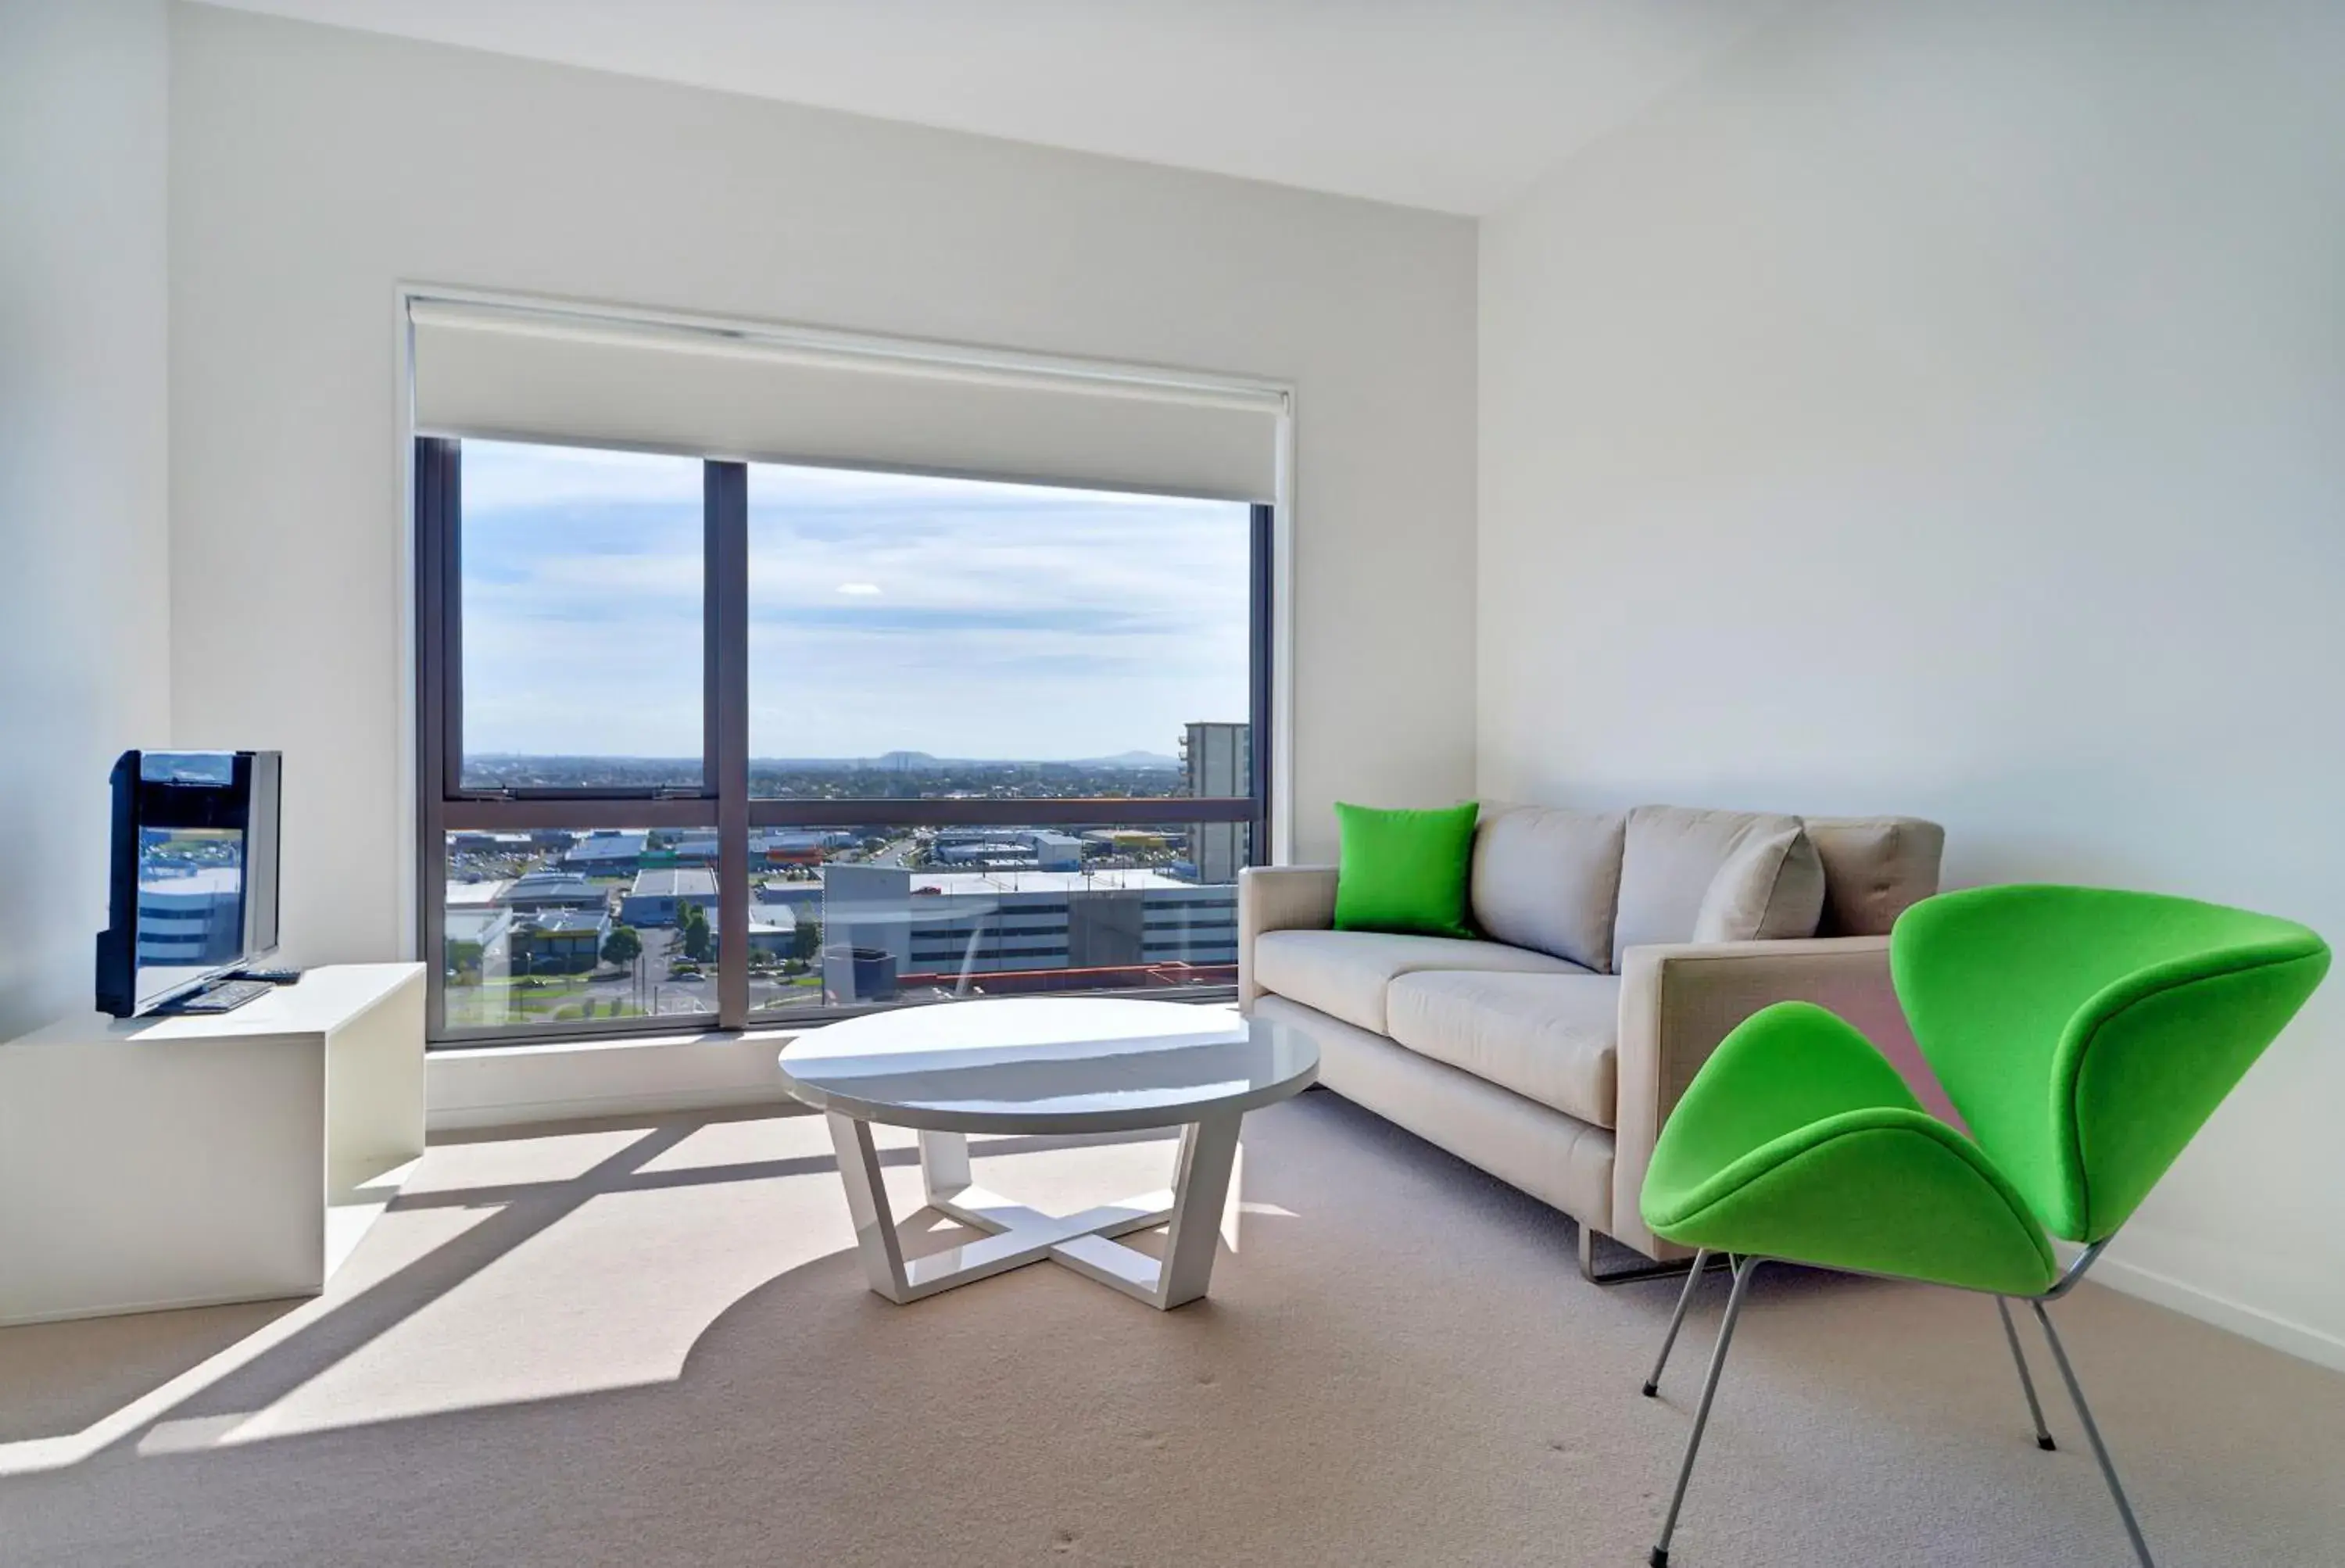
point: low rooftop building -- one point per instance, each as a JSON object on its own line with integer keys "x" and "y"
{"x": 553, "y": 889}
{"x": 660, "y": 895}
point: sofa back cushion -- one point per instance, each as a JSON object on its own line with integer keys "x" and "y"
{"x": 1548, "y": 878}
{"x": 1875, "y": 868}
{"x": 1715, "y": 876}
{"x": 1769, "y": 890}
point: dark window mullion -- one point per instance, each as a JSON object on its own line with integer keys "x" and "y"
{"x": 580, "y": 813}
{"x": 439, "y": 748}
{"x": 726, "y": 700}
{"x": 450, "y": 507}
{"x": 1258, "y": 682}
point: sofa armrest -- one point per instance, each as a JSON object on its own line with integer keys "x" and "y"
{"x": 1678, "y": 1001}
{"x": 1279, "y": 898}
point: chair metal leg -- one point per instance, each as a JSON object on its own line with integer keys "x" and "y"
{"x": 1744, "y": 1271}
{"x": 1677, "y": 1321}
{"x": 2093, "y": 1436}
{"x": 2026, "y": 1383}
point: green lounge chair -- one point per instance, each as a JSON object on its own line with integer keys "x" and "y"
{"x": 2084, "y": 1034}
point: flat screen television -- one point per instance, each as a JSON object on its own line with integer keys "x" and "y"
{"x": 192, "y": 885}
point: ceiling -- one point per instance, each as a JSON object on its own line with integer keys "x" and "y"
{"x": 1453, "y": 104}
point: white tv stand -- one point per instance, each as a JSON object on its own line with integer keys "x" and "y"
{"x": 187, "y": 1161}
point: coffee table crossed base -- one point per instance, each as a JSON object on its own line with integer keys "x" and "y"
{"x": 1045, "y": 1066}
{"x": 1018, "y": 1235}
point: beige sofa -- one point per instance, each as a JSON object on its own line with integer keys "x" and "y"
{"x": 1621, "y": 947}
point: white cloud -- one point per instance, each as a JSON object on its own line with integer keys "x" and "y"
{"x": 1014, "y": 620}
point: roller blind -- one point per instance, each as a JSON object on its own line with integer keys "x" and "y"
{"x": 494, "y": 371}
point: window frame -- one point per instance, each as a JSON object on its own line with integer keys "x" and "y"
{"x": 445, "y": 806}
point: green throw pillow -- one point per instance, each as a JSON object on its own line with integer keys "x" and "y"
{"x": 1405, "y": 871}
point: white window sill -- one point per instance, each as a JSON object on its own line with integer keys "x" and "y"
{"x": 555, "y": 1081}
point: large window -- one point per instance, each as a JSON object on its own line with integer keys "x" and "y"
{"x": 911, "y": 737}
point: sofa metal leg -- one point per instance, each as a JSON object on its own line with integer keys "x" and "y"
{"x": 1629, "y": 1276}
{"x": 2093, "y": 1436}
{"x": 1677, "y": 1320}
{"x": 1744, "y": 1271}
{"x": 2026, "y": 1382}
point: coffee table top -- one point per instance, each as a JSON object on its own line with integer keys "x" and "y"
{"x": 1048, "y": 1064}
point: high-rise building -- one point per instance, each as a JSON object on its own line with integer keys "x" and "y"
{"x": 1219, "y": 758}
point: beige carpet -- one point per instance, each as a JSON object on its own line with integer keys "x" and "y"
{"x": 650, "y": 1343}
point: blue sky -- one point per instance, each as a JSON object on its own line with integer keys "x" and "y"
{"x": 888, "y": 611}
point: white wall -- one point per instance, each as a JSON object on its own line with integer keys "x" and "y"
{"x": 83, "y": 587}
{"x": 1940, "y": 408}
{"x": 313, "y": 167}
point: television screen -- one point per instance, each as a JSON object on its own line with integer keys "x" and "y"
{"x": 195, "y": 873}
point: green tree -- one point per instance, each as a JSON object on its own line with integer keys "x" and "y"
{"x": 699, "y": 942}
{"x": 807, "y": 940}
{"x": 623, "y": 946}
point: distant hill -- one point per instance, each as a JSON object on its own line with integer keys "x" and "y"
{"x": 893, "y": 761}
{"x": 1136, "y": 759}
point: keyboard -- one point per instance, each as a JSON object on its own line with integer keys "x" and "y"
{"x": 224, "y": 997}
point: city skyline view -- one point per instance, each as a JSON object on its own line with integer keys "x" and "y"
{"x": 890, "y": 613}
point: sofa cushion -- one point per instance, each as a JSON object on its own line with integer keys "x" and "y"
{"x": 1345, "y": 973}
{"x": 1771, "y": 890}
{"x": 1669, "y": 857}
{"x": 1548, "y": 1037}
{"x": 1875, "y": 868}
{"x": 1404, "y": 870}
{"x": 1546, "y": 878}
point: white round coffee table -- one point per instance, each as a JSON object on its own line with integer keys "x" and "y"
{"x": 1042, "y": 1065}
